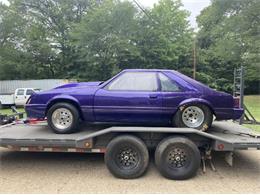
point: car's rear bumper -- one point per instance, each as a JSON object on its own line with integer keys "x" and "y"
{"x": 229, "y": 113}
{"x": 35, "y": 110}
{"x": 237, "y": 113}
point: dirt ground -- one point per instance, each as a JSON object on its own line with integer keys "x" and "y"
{"x": 22, "y": 172}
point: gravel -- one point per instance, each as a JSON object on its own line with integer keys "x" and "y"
{"x": 28, "y": 172}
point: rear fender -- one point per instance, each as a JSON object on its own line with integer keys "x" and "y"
{"x": 190, "y": 101}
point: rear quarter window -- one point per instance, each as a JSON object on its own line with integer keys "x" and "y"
{"x": 167, "y": 84}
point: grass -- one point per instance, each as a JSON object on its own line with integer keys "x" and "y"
{"x": 252, "y": 102}
{"x": 9, "y": 111}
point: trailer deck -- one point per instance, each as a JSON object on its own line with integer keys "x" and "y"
{"x": 225, "y": 136}
{"x": 123, "y": 143}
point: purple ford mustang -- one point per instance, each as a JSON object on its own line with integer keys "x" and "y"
{"x": 144, "y": 97}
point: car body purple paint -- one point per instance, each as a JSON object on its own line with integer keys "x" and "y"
{"x": 99, "y": 102}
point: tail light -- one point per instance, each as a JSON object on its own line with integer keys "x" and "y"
{"x": 236, "y": 102}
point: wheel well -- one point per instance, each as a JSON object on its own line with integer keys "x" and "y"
{"x": 65, "y": 101}
{"x": 199, "y": 103}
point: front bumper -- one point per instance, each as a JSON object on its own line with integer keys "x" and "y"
{"x": 35, "y": 110}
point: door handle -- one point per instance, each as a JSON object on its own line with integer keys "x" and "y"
{"x": 153, "y": 96}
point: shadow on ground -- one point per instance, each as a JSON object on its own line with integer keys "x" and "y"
{"x": 31, "y": 172}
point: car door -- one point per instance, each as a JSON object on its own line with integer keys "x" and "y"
{"x": 131, "y": 97}
{"x": 20, "y": 97}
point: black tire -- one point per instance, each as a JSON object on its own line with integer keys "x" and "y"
{"x": 207, "y": 122}
{"x": 189, "y": 158}
{"x": 115, "y": 157}
{"x": 75, "y": 120}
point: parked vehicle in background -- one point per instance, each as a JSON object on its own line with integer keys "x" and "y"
{"x": 19, "y": 98}
{"x": 17, "y": 92}
{"x": 140, "y": 97}
{"x": 21, "y": 95}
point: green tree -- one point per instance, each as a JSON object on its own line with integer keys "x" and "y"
{"x": 229, "y": 37}
{"x": 35, "y": 36}
{"x": 165, "y": 37}
{"x": 116, "y": 35}
{"x": 105, "y": 39}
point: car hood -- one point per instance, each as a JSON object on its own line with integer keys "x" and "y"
{"x": 81, "y": 84}
{"x": 71, "y": 88}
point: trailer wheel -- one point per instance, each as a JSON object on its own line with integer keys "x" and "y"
{"x": 127, "y": 157}
{"x": 63, "y": 118}
{"x": 177, "y": 158}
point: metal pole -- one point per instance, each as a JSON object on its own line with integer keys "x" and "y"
{"x": 194, "y": 60}
{"x": 241, "y": 102}
{"x": 234, "y": 84}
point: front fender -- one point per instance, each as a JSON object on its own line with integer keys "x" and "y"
{"x": 62, "y": 97}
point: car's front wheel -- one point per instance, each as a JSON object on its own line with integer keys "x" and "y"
{"x": 63, "y": 118}
{"x": 197, "y": 116}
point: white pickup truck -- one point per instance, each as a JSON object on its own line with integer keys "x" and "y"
{"x": 17, "y": 92}
{"x": 19, "y": 98}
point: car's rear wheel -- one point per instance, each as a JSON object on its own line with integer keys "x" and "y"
{"x": 63, "y": 118}
{"x": 197, "y": 116}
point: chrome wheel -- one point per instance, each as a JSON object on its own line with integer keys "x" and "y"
{"x": 193, "y": 116}
{"x": 62, "y": 118}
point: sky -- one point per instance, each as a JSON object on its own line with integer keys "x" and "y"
{"x": 194, "y": 6}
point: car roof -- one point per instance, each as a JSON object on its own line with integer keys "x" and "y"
{"x": 146, "y": 70}
{"x": 155, "y": 70}
{"x": 189, "y": 80}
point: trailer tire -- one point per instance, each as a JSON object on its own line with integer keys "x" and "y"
{"x": 72, "y": 114}
{"x": 127, "y": 157}
{"x": 177, "y": 158}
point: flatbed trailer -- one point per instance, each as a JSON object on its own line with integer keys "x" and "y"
{"x": 178, "y": 151}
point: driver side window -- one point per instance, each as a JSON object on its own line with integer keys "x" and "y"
{"x": 134, "y": 81}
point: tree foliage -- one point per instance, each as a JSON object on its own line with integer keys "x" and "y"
{"x": 229, "y": 37}
{"x": 88, "y": 39}
{"x": 93, "y": 40}
{"x": 116, "y": 35}
{"x": 34, "y": 37}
